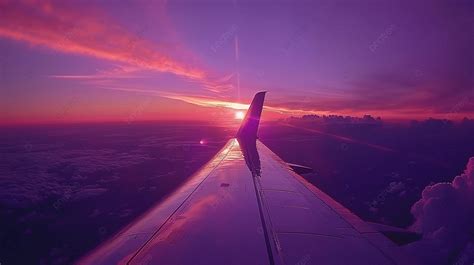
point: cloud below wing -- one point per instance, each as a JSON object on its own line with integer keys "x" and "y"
{"x": 444, "y": 215}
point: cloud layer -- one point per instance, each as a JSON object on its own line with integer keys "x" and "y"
{"x": 445, "y": 217}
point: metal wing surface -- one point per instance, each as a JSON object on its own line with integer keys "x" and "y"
{"x": 247, "y": 206}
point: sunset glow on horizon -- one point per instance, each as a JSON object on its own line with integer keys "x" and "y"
{"x": 239, "y": 115}
{"x": 66, "y": 62}
{"x": 171, "y": 131}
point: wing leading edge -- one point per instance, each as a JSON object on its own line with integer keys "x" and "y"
{"x": 246, "y": 206}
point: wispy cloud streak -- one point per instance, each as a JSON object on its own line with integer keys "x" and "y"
{"x": 208, "y": 102}
{"x": 72, "y": 29}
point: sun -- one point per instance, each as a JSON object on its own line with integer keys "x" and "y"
{"x": 239, "y": 115}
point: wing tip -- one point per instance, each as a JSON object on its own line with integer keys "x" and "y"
{"x": 249, "y": 127}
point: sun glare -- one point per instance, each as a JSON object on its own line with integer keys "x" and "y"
{"x": 239, "y": 115}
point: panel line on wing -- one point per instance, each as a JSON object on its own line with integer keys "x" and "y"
{"x": 310, "y": 234}
{"x": 262, "y": 219}
{"x": 184, "y": 201}
{"x": 340, "y": 211}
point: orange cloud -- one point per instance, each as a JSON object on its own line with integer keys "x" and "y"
{"x": 65, "y": 28}
{"x": 118, "y": 72}
{"x": 212, "y": 102}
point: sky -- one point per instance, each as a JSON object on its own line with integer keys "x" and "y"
{"x": 96, "y": 61}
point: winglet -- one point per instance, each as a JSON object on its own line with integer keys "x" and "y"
{"x": 249, "y": 127}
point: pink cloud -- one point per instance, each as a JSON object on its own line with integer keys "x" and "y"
{"x": 74, "y": 29}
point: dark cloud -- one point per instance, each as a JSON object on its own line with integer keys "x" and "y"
{"x": 39, "y": 173}
{"x": 88, "y": 193}
{"x": 394, "y": 94}
{"x": 445, "y": 217}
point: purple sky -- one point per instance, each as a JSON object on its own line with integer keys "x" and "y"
{"x": 186, "y": 60}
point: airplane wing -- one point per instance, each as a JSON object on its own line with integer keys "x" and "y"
{"x": 247, "y": 206}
